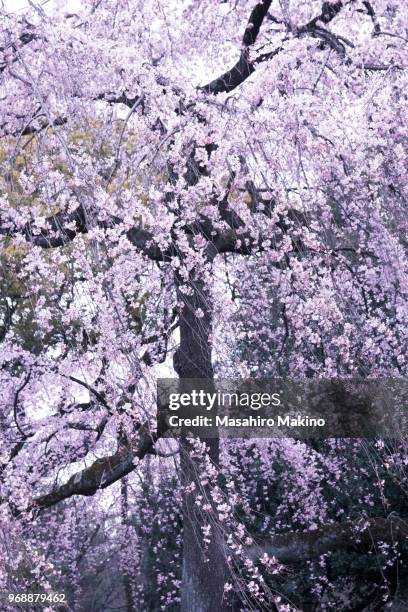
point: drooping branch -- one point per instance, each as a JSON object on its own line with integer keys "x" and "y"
{"x": 373, "y": 16}
{"x": 243, "y": 68}
{"x": 60, "y": 229}
{"x": 101, "y": 474}
{"x": 306, "y": 545}
{"x": 100, "y": 396}
{"x": 9, "y": 310}
{"x": 329, "y": 11}
{"x": 242, "y": 241}
{"x": 143, "y": 240}
{"x": 15, "y": 404}
{"x": 231, "y": 241}
{"x": 31, "y": 130}
{"x": 121, "y": 98}
{"x": 24, "y": 39}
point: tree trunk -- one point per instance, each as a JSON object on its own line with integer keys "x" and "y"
{"x": 124, "y": 508}
{"x": 203, "y": 575}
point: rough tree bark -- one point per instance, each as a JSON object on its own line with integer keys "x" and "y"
{"x": 203, "y": 576}
{"x": 124, "y": 508}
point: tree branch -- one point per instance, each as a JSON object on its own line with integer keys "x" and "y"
{"x": 329, "y": 11}
{"x": 243, "y": 68}
{"x": 15, "y": 404}
{"x": 99, "y": 396}
{"x": 143, "y": 240}
{"x": 255, "y": 20}
{"x": 56, "y": 234}
{"x": 306, "y": 545}
{"x": 24, "y": 39}
{"x": 101, "y": 474}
